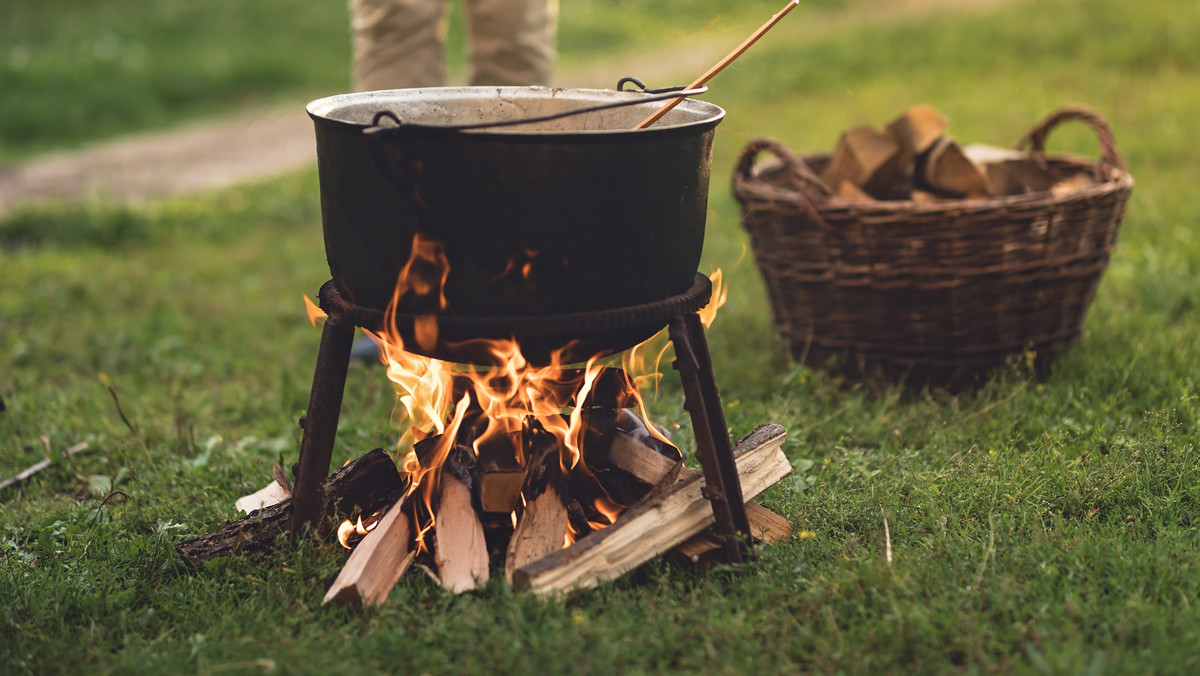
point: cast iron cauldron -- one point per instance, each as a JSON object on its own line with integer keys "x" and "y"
{"x": 575, "y": 214}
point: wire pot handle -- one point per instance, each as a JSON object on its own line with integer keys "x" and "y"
{"x": 805, "y": 182}
{"x": 1110, "y": 157}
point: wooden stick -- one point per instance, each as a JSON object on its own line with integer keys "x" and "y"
{"x": 376, "y": 563}
{"x": 656, "y": 526}
{"x": 729, "y": 58}
{"x": 41, "y": 465}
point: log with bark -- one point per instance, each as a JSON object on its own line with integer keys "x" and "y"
{"x": 365, "y": 485}
{"x": 656, "y": 525}
{"x": 641, "y": 460}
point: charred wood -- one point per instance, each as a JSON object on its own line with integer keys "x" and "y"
{"x": 365, "y": 485}
{"x": 462, "y": 554}
{"x": 542, "y": 525}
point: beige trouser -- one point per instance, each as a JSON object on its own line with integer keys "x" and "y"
{"x": 401, "y": 43}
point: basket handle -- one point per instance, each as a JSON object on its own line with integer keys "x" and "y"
{"x": 1110, "y": 158}
{"x": 808, "y": 186}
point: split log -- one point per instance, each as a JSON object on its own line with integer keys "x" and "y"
{"x": 264, "y": 497}
{"x": 623, "y": 433}
{"x": 866, "y": 157}
{"x": 499, "y": 475}
{"x": 542, "y": 526}
{"x": 765, "y": 525}
{"x": 1009, "y": 171}
{"x": 1071, "y": 184}
{"x": 852, "y": 193}
{"x": 707, "y": 548}
{"x": 365, "y": 485}
{"x": 699, "y": 552}
{"x": 656, "y": 526}
{"x": 947, "y": 168}
{"x": 918, "y": 128}
{"x": 461, "y": 551}
{"x": 649, "y": 466}
{"x": 377, "y": 562}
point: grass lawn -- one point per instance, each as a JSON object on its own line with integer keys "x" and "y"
{"x": 1039, "y": 524}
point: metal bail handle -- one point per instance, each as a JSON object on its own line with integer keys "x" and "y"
{"x": 653, "y": 95}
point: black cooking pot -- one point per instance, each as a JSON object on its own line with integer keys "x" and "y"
{"x": 545, "y": 217}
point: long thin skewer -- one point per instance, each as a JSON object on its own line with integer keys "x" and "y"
{"x": 721, "y": 64}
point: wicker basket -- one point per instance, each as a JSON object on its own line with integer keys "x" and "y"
{"x": 934, "y": 290}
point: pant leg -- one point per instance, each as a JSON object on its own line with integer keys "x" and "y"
{"x": 511, "y": 41}
{"x": 398, "y": 43}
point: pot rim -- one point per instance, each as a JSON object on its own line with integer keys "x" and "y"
{"x": 334, "y": 109}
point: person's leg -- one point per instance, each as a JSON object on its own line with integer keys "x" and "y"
{"x": 398, "y": 43}
{"x": 511, "y": 41}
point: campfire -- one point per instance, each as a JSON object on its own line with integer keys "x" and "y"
{"x": 552, "y": 473}
{"x": 523, "y": 257}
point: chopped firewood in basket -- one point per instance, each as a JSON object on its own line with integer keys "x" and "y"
{"x": 1009, "y": 171}
{"x": 867, "y": 158}
{"x": 913, "y": 158}
{"x": 946, "y": 168}
{"x": 919, "y": 128}
{"x": 1071, "y": 183}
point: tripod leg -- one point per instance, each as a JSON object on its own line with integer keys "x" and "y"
{"x": 701, "y": 399}
{"x": 320, "y": 425}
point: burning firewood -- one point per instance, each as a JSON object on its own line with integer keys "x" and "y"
{"x": 542, "y": 526}
{"x": 462, "y": 556}
{"x": 654, "y": 526}
{"x": 377, "y": 562}
{"x": 363, "y": 486}
{"x": 500, "y": 476}
{"x": 637, "y": 456}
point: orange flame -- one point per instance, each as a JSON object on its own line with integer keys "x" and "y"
{"x": 348, "y": 529}
{"x": 315, "y": 313}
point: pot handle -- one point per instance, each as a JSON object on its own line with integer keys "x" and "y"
{"x": 388, "y": 166}
{"x": 655, "y": 95}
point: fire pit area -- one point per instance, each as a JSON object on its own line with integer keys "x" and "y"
{"x": 521, "y": 256}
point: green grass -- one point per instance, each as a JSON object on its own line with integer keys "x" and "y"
{"x": 1039, "y": 524}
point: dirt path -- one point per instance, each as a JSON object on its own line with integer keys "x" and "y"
{"x": 261, "y": 143}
